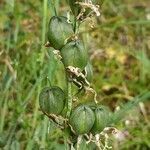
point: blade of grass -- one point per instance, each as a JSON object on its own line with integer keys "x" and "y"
{"x": 44, "y": 22}
{"x": 44, "y": 132}
{"x": 120, "y": 114}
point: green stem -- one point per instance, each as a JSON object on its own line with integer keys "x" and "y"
{"x": 75, "y": 24}
{"x": 69, "y": 94}
{"x": 54, "y": 7}
{"x": 69, "y": 99}
{"x": 49, "y": 82}
{"x": 55, "y": 11}
{"x": 44, "y": 21}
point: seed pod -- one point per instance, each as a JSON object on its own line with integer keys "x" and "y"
{"x": 74, "y": 54}
{"x": 82, "y": 119}
{"x": 88, "y": 72}
{"x": 59, "y": 30}
{"x": 52, "y": 100}
{"x": 102, "y": 119}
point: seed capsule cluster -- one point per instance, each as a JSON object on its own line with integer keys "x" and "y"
{"x": 82, "y": 119}
{"x": 74, "y": 57}
{"x": 85, "y": 119}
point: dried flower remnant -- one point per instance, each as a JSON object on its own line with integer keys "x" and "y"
{"x": 85, "y": 5}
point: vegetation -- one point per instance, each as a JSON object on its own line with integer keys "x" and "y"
{"x": 118, "y": 46}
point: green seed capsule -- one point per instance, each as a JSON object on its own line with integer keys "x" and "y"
{"x": 59, "y": 30}
{"x": 82, "y": 119}
{"x": 52, "y": 100}
{"x": 102, "y": 119}
{"x": 74, "y": 54}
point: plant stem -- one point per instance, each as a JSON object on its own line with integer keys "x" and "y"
{"x": 44, "y": 20}
{"x": 75, "y": 24}
{"x": 54, "y": 7}
{"x": 69, "y": 98}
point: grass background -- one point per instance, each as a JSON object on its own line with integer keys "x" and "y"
{"x": 119, "y": 48}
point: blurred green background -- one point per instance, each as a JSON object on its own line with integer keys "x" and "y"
{"x": 119, "y": 49}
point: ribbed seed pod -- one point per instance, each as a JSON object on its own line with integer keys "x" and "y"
{"x": 82, "y": 119}
{"x": 74, "y": 54}
{"x": 52, "y": 100}
{"x": 59, "y": 30}
{"x": 102, "y": 119}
